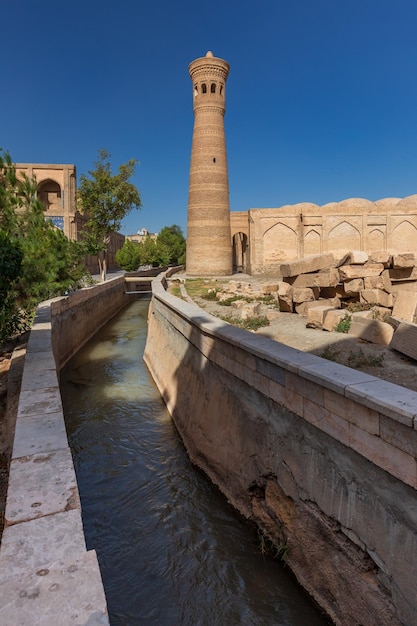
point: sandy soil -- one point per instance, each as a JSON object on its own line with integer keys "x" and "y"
{"x": 290, "y": 329}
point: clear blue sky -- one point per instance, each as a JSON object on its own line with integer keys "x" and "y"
{"x": 321, "y": 95}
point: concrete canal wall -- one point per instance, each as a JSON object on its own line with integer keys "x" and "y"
{"x": 47, "y": 576}
{"x": 323, "y": 457}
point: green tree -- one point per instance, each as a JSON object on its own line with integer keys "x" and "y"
{"x": 128, "y": 257}
{"x": 11, "y": 257}
{"x": 106, "y": 199}
{"x": 37, "y": 261}
{"x": 153, "y": 252}
{"x": 8, "y": 194}
{"x": 173, "y": 238}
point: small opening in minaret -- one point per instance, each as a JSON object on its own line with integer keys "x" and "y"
{"x": 213, "y": 88}
{"x": 221, "y": 89}
{"x": 195, "y": 90}
{"x": 204, "y": 88}
{"x": 214, "y": 159}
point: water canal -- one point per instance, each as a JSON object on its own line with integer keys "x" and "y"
{"x": 172, "y": 552}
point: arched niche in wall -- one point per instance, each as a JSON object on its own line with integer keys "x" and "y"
{"x": 376, "y": 240}
{"x": 343, "y": 237}
{"x": 312, "y": 243}
{"x": 49, "y": 193}
{"x": 404, "y": 237}
{"x": 240, "y": 250}
{"x": 280, "y": 243}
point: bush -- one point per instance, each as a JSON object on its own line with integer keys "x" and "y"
{"x": 344, "y": 325}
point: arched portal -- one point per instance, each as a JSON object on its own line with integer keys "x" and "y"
{"x": 240, "y": 248}
{"x": 50, "y": 194}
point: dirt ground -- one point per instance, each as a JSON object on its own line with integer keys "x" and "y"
{"x": 11, "y": 370}
{"x": 287, "y": 328}
{"x": 290, "y": 329}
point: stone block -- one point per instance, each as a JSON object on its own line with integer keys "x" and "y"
{"x": 39, "y": 433}
{"x": 304, "y": 295}
{"x": 381, "y": 313}
{"x": 376, "y": 296}
{"x": 381, "y": 256}
{"x": 373, "y": 282}
{"x": 69, "y": 592}
{"x": 302, "y": 309}
{"x": 371, "y": 330}
{"x": 387, "y": 281}
{"x": 391, "y": 459}
{"x": 40, "y": 338}
{"x": 387, "y": 398}
{"x": 285, "y": 297}
{"x": 40, "y": 542}
{"x": 324, "y": 278}
{"x": 320, "y": 417}
{"x": 349, "y": 272}
{"x": 316, "y": 316}
{"x": 308, "y": 264}
{"x": 354, "y": 257}
{"x": 398, "y": 435}
{"x": 353, "y": 287}
{"x": 368, "y": 314}
{"x": 39, "y": 401}
{"x": 405, "y": 305}
{"x": 404, "y": 260}
{"x": 284, "y": 289}
{"x": 405, "y": 339}
{"x": 354, "y": 412}
{"x": 332, "y": 318}
{"x": 41, "y": 484}
{"x": 249, "y": 310}
{"x": 36, "y": 377}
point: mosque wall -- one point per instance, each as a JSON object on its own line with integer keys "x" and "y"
{"x": 56, "y": 190}
{"x": 275, "y": 236}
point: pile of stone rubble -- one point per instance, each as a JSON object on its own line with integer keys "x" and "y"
{"x": 378, "y": 293}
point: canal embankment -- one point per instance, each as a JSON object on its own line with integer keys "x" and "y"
{"x": 323, "y": 457}
{"x": 45, "y": 568}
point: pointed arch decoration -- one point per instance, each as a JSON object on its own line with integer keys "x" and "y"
{"x": 404, "y": 237}
{"x": 312, "y": 243}
{"x": 376, "y": 240}
{"x": 280, "y": 243}
{"x": 344, "y": 237}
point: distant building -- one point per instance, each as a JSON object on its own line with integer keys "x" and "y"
{"x": 141, "y": 235}
{"x": 57, "y": 191}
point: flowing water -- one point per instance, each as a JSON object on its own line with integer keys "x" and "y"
{"x": 172, "y": 552}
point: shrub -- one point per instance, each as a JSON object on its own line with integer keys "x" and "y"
{"x": 343, "y": 326}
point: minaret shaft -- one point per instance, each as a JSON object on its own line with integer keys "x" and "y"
{"x": 209, "y": 248}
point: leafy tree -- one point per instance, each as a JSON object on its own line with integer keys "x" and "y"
{"x": 147, "y": 252}
{"x": 153, "y": 252}
{"x": 8, "y": 197}
{"x": 173, "y": 238}
{"x": 128, "y": 257}
{"x": 106, "y": 199}
{"x": 37, "y": 261}
{"x": 11, "y": 257}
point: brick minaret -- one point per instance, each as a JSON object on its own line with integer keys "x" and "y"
{"x": 209, "y": 247}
